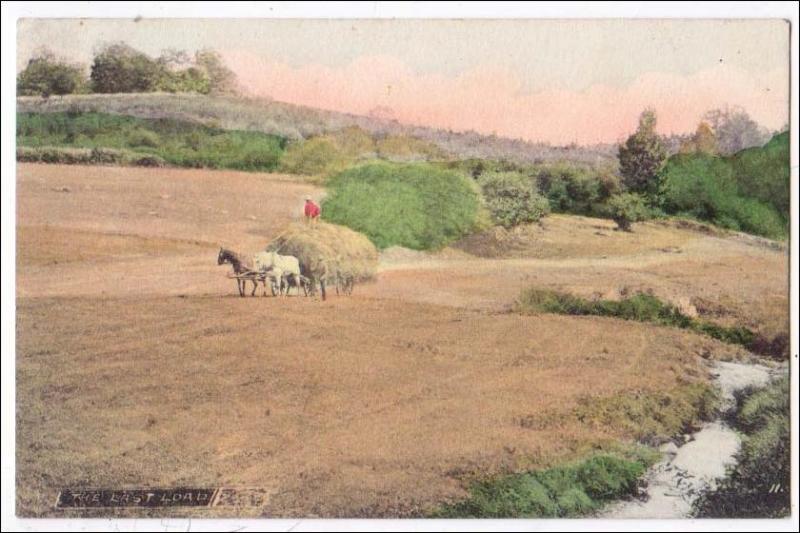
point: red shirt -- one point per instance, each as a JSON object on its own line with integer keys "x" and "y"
{"x": 312, "y": 209}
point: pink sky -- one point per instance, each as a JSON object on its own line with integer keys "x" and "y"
{"x": 555, "y": 80}
{"x": 492, "y": 99}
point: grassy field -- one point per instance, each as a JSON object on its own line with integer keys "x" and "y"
{"x": 137, "y": 363}
{"x": 170, "y": 141}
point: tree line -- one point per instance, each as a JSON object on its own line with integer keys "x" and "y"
{"x": 120, "y": 68}
{"x": 730, "y": 173}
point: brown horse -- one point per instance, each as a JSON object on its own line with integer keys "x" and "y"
{"x": 242, "y": 266}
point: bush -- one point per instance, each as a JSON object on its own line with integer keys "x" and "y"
{"x": 627, "y": 208}
{"x": 604, "y": 477}
{"x": 762, "y": 174}
{"x": 575, "y": 502}
{"x": 568, "y": 490}
{"x": 748, "y": 192}
{"x": 575, "y": 189}
{"x": 45, "y": 76}
{"x": 414, "y": 205}
{"x": 107, "y": 156}
{"x": 51, "y": 154}
{"x": 74, "y": 156}
{"x": 640, "y": 307}
{"x": 141, "y": 137}
{"x": 118, "y": 68}
{"x": 314, "y": 157}
{"x": 149, "y": 161}
{"x": 190, "y": 80}
{"x": 512, "y": 199}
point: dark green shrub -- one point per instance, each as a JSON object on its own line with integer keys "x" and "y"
{"x": 45, "y": 75}
{"x": 415, "y": 205}
{"x": 512, "y": 198}
{"x": 575, "y": 189}
{"x": 119, "y": 68}
{"x": 605, "y": 476}
{"x": 627, "y": 208}
{"x": 640, "y": 307}
{"x": 762, "y": 174}
{"x": 747, "y": 192}
{"x": 572, "y": 489}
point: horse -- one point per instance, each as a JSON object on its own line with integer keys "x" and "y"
{"x": 282, "y": 267}
{"x": 344, "y": 282}
{"x": 242, "y": 266}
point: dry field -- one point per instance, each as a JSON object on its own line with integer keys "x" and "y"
{"x": 137, "y": 365}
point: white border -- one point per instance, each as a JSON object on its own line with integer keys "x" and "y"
{"x": 11, "y": 11}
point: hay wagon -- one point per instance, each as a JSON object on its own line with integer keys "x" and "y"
{"x": 264, "y": 277}
{"x": 329, "y": 255}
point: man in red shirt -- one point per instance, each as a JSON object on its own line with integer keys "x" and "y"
{"x": 312, "y": 211}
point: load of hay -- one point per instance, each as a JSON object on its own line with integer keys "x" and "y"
{"x": 328, "y": 251}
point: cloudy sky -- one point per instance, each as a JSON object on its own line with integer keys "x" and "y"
{"x": 547, "y": 80}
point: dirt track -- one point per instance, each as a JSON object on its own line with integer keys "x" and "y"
{"x": 136, "y": 365}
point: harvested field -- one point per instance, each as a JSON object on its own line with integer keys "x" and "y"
{"x": 138, "y": 365}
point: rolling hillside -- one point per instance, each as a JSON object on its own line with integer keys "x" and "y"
{"x": 295, "y": 122}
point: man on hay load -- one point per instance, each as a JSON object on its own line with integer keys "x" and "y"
{"x": 312, "y": 211}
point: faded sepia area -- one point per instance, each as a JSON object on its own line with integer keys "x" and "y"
{"x": 404, "y": 268}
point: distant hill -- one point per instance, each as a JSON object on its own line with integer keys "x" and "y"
{"x": 296, "y": 122}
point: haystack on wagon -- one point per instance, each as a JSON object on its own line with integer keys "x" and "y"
{"x": 329, "y": 254}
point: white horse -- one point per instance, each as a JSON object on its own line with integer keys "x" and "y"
{"x": 281, "y": 267}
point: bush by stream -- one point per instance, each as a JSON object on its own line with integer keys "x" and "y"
{"x": 758, "y": 485}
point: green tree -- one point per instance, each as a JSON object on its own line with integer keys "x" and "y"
{"x": 512, "y": 198}
{"x": 47, "y": 75}
{"x": 222, "y": 80}
{"x": 118, "y": 68}
{"x": 704, "y": 141}
{"x": 706, "y": 187}
{"x": 627, "y": 208}
{"x": 763, "y": 173}
{"x": 642, "y": 156}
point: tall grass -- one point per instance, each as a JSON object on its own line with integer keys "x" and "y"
{"x": 179, "y": 143}
{"x": 569, "y": 490}
{"x": 639, "y": 307}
